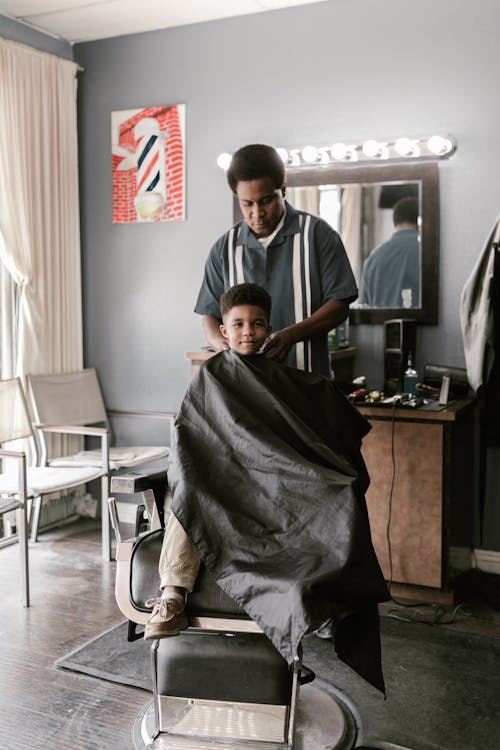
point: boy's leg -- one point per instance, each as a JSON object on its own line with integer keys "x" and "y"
{"x": 178, "y": 567}
{"x": 179, "y": 561}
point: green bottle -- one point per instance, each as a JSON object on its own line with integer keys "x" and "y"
{"x": 333, "y": 340}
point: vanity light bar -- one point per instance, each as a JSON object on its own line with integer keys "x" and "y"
{"x": 432, "y": 147}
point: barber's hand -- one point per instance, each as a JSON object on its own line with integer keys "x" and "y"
{"x": 279, "y": 344}
{"x": 218, "y": 344}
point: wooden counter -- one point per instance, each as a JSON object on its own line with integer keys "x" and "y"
{"x": 420, "y": 497}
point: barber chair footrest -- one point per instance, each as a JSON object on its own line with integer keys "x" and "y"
{"x": 222, "y": 685}
{"x": 324, "y": 721}
{"x": 235, "y": 667}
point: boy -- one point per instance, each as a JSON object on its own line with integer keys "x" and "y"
{"x": 268, "y": 487}
{"x": 245, "y": 310}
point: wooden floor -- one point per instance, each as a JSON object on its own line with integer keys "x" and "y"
{"x": 41, "y": 707}
{"x": 44, "y": 708}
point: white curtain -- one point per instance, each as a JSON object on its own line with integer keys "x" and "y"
{"x": 351, "y": 226}
{"x": 304, "y": 198}
{"x": 39, "y": 218}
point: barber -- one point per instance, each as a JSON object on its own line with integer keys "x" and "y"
{"x": 296, "y": 256}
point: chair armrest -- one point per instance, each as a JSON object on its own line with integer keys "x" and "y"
{"x": 83, "y": 430}
{"x": 12, "y": 454}
{"x": 19, "y": 456}
{"x": 132, "y": 483}
{"x": 72, "y": 429}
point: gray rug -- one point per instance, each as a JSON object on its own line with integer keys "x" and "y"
{"x": 443, "y": 686}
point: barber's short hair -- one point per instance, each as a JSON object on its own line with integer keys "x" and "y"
{"x": 254, "y": 162}
{"x": 245, "y": 294}
{"x": 405, "y": 211}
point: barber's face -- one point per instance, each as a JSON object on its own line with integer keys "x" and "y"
{"x": 262, "y": 205}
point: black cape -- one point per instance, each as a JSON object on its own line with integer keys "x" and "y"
{"x": 268, "y": 482}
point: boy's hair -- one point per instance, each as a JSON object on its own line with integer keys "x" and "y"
{"x": 245, "y": 294}
{"x": 254, "y": 162}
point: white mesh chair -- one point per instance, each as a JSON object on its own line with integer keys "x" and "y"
{"x": 75, "y": 398}
{"x": 25, "y": 486}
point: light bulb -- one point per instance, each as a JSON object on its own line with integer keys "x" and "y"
{"x": 224, "y": 160}
{"x": 403, "y": 147}
{"x": 439, "y": 145}
{"x": 339, "y": 151}
{"x": 310, "y": 154}
{"x": 283, "y": 154}
{"x": 371, "y": 149}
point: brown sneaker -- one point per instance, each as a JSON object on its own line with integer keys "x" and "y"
{"x": 167, "y": 618}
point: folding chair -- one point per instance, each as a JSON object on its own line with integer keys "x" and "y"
{"x": 24, "y": 487}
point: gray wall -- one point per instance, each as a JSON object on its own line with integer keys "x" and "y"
{"x": 335, "y": 70}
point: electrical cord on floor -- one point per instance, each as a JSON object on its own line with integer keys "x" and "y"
{"x": 438, "y": 611}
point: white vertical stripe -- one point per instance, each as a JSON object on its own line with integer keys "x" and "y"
{"x": 230, "y": 259}
{"x": 307, "y": 277}
{"x": 297, "y": 296}
{"x": 238, "y": 259}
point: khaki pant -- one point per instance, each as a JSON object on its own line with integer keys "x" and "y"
{"x": 179, "y": 561}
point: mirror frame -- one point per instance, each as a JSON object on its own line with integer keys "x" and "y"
{"x": 427, "y": 174}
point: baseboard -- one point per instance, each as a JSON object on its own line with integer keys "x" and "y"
{"x": 464, "y": 558}
{"x": 487, "y": 560}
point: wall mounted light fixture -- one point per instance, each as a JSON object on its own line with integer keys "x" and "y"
{"x": 398, "y": 149}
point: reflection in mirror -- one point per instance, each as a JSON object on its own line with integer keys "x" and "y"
{"x": 358, "y": 201}
{"x": 379, "y": 225}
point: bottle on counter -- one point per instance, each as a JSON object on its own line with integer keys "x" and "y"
{"x": 410, "y": 378}
{"x": 333, "y": 340}
{"x": 343, "y": 334}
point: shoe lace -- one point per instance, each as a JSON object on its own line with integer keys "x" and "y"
{"x": 160, "y": 605}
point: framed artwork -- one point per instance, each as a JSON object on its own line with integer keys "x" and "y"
{"x": 148, "y": 163}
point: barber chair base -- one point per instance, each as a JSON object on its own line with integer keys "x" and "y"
{"x": 323, "y": 722}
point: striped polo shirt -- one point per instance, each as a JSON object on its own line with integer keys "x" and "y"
{"x": 304, "y": 266}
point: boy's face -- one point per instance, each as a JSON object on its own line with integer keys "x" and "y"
{"x": 245, "y": 327}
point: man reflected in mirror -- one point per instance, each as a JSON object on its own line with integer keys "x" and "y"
{"x": 391, "y": 273}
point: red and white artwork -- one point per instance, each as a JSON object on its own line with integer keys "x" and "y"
{"x": 148, "y": 148}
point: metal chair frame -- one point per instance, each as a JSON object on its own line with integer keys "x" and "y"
{"x": 28, "y": 500}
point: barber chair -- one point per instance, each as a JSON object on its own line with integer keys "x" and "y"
{"x": 221, "y": 684}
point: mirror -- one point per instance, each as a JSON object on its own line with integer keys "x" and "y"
{"x": 359, "y": 201}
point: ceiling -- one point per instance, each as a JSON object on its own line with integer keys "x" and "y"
{"x": 87, "y": 20}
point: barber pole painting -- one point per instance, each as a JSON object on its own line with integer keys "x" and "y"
{"x": 148, "y": 154}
